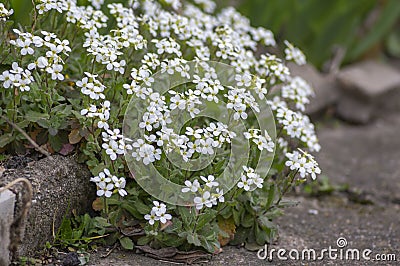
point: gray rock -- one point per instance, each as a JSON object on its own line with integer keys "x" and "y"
{"x": 60, "y": 185}
{"x": 7, "y": 200}
{"x": 325, "y": 87}
{"x": 354, "y": 110}
{"x": 369, "y": 79}
{"x": 368, "y": 88}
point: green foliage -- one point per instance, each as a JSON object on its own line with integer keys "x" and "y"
{"x": 319, "y": 26}
{"x": 80, "y": 231}
{"x": 322, "y": 187}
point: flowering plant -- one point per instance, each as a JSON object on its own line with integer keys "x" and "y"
{"x": 192, "y": 128}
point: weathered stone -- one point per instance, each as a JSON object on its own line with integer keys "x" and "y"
{"x": 368, "y": 89}
{"x": 325, "y": 87}
{"x": 7, "y": 200}
{"x": 354, "y": 110}
{"x": 369, "y": 79}
{"x": 60, "y": 185}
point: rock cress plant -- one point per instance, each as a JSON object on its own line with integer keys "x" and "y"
{"x": 169, "y": 89}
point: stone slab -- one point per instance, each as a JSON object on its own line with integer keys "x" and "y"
{"x": 7, "y": 201}
{"x": 369, "y": 79}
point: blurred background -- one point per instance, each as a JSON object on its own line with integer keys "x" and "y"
{"x": 324, "y": 29}
{"x": 350, "y": 30}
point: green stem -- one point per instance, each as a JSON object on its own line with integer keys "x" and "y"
{"x": 285, "y": 190}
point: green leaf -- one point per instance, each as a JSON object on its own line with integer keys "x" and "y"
{"x": 247, "y": 220}
{"x": 209, "y": 244}
{"x": 65, "y": 229}
{"x": 141, "y": 207}
{"x": 143, "y": 241}
{"x": 101, "y": 222}
{"x": 193, "y": 238}
{"x": 240, "y": 235}
{"x": 388, "y": 17}
{"x": 271, "y": 196}
{"x": 187, "y": 216}
{"x": 55, "y": 142}
{"x": 205, "y": 218}
{"x": 44, "y": 123}
{"x": 6, "y": 139}
{"x": 265, "y": 222}
{"x": 33, "y": 116}
{"x": 132, "y": 210}
{"x": 236, "y": 216}
{"x": 126, "y": 243}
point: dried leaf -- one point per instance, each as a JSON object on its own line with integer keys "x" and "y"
{"x": 66, "y": 149}
{"x": 2, "y": 170}
{"x": 228, "y": 226}
{"x": 163, "y": 226}
{"x": 133, "y": 231}
{"x": 74, "y": 136}
{"x": 97, "y": 204}
{"x": 174, "y": 255}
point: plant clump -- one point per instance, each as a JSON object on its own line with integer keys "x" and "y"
{"x": 69, "y": 81}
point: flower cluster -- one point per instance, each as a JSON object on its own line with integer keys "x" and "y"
{"x": 262, "y": 141}
{"x": 303, "y": 163}
{"x": 121, "y": 59}
{"x": 48, "y": 61}
{"x": 294, "y": 53}
{"x": 158, "y": 213}
{"x": 250, "y": 180}
{"x": 299, "y": 91}
{"x": 208, "y": 195}
{"x": 295, "y": 124}
{"x": 115, "y": 143}
{"x": 107, "y": 184}
{"x": 17, "y": 77}
{"x": 4, "y": 13}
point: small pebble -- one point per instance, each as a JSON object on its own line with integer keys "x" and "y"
{"x": 313, "y": 211}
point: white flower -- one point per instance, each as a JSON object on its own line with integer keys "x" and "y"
{"x": 303, "y": 163}
{"x": 164, "y": 217}
{"x": 147, "y": 122}
{"x": 159, "y": 208}
{"x": 41, "y": 63}
{"x": 245, "y": 183}
{"x": 102, "y": 123}
{"x": 193, "y": 187}
{"x": 4, "y": 13}
{"x": 152, "y": 217}
{"x": 203, "y": 200}
{"x": 8, "y": 79}
{"x": 219, "y": 195}
{"x": 112, "y": 149}
{"x": 293, "y": 53}
{"x": 120, "y": 183}
{"x": 105, "y": 190}
{"x": 209, "y": 181}
{"x": 158, "y": 213}
{"x": 25, "y": 45}
{"x": 207, "y": 146}
{"x": 55, "y": 71}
